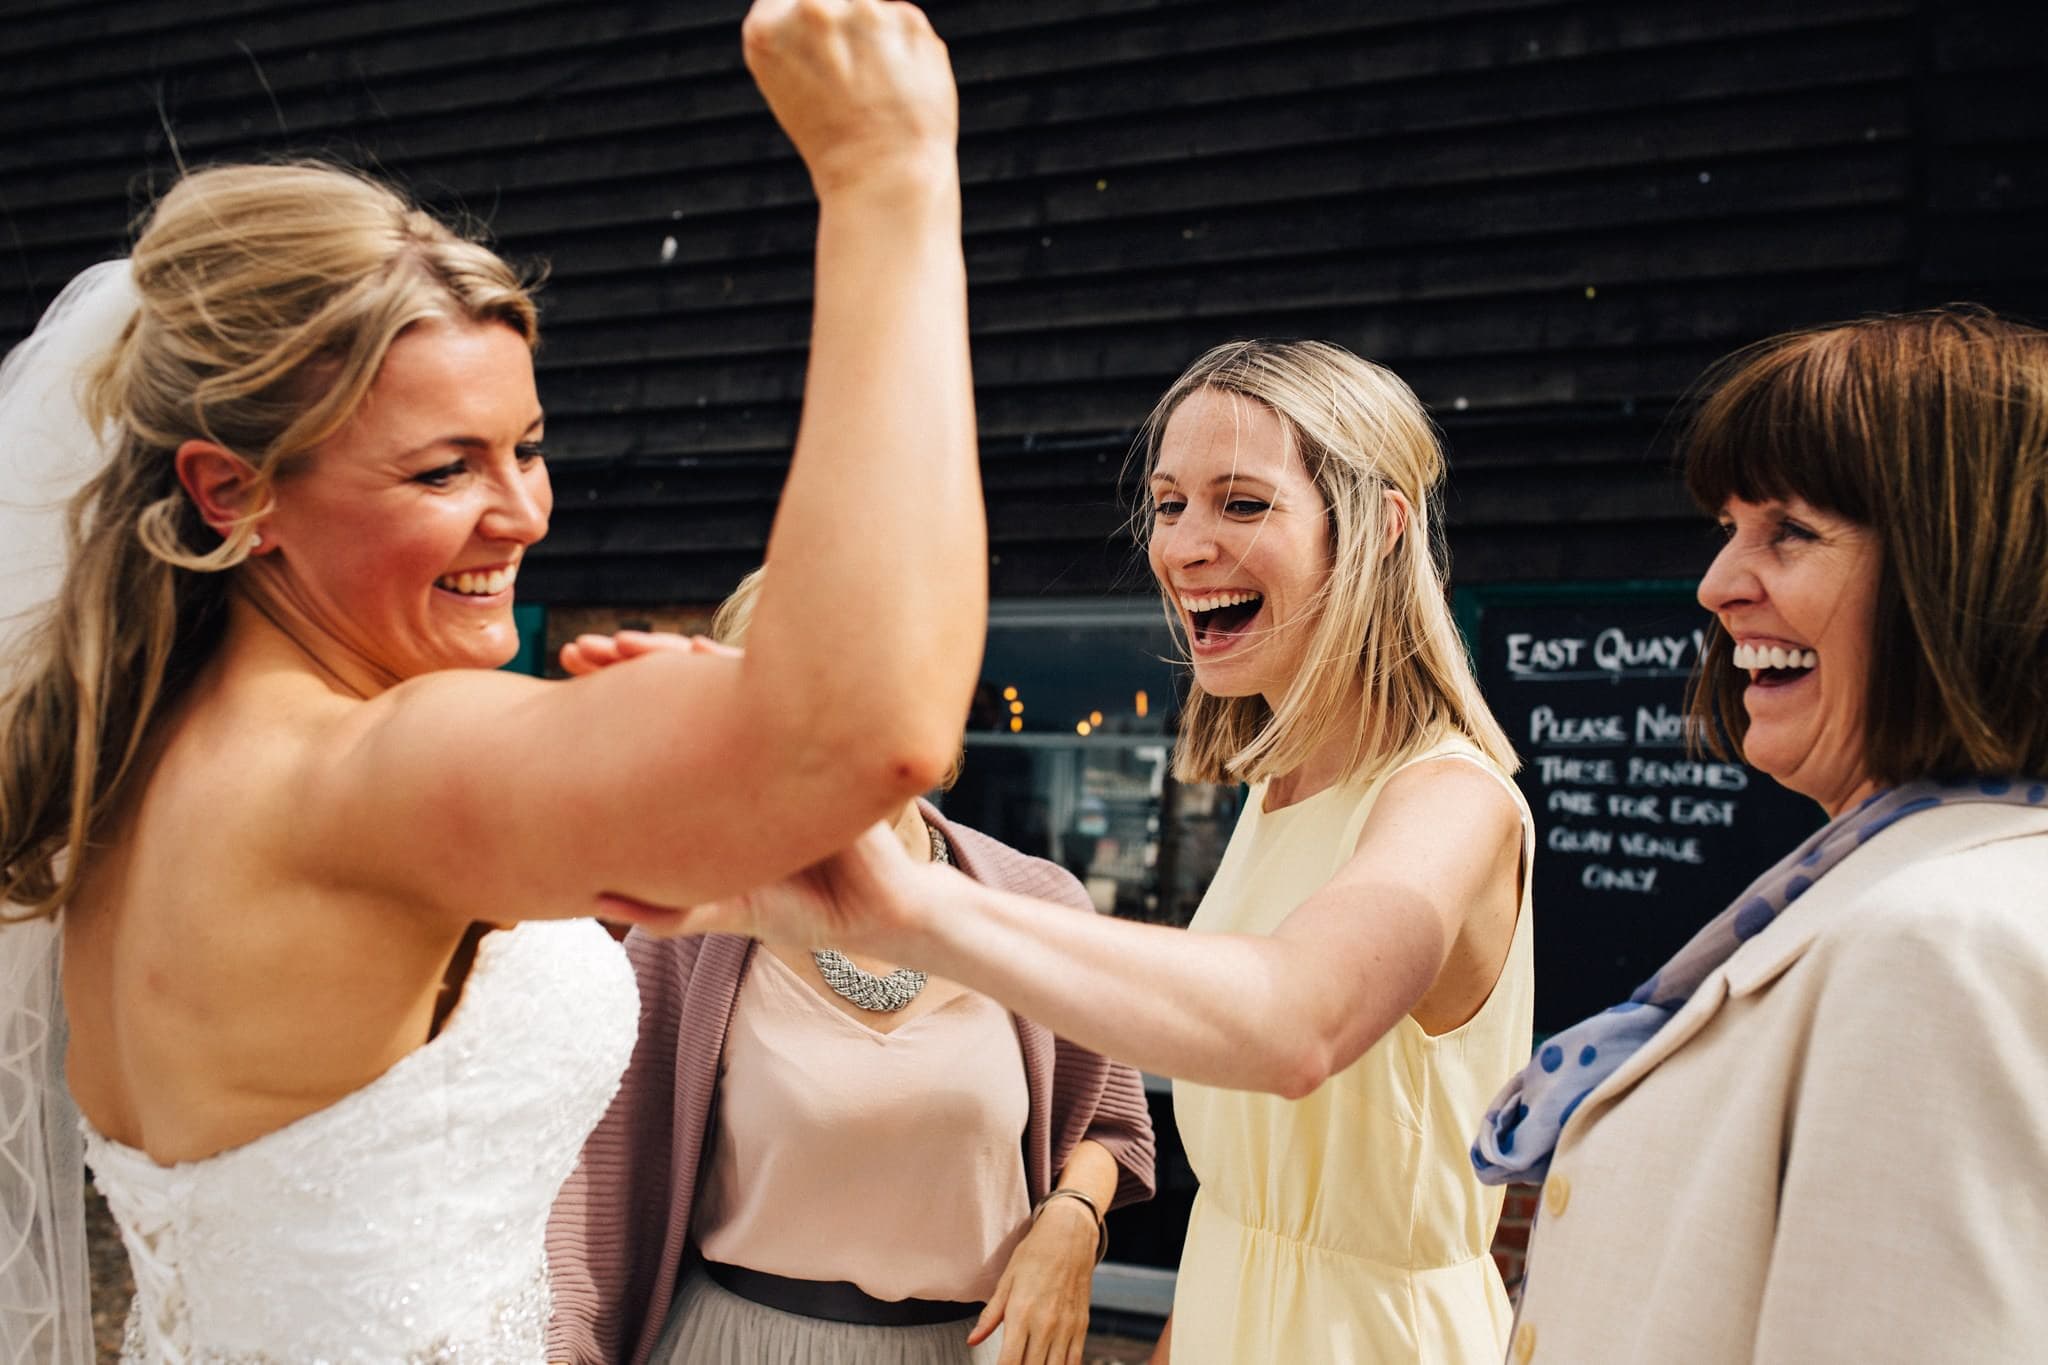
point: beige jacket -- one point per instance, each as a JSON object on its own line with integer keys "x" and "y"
{"x": 1838, "y": 1149}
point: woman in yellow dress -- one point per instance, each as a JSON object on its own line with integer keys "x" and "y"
{"x": 1358, "y": 982}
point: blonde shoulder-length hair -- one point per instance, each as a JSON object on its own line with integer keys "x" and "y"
{"x": 1385, "y": 671}
{"x": 268, "y": 296}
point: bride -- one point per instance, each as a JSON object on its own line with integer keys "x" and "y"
{"x": 263, "y": 799}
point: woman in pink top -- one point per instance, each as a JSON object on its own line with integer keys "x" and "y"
{"x": 816, "y": 1157}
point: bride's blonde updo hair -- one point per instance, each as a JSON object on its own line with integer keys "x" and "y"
{"x": 268, "y": 298}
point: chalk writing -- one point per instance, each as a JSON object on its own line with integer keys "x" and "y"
{"x": 1614, "y": 652}
{"x": 1617, "y": 651}
{"x": 1642, "y": 837}
{"x": 1580, "y": 771}
{"x": 1572, "y": 802}
{"x": 1548, "y": 727}
{"x": 1723, "y": 777}
{"x": 1599, "y": 877}
{"x": 1659, "y": 724}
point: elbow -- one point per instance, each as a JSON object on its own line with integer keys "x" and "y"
{"x": 911, "y": 769}
{"x": 910, "y": 751}
{"x": 886, "y": 754}
{"x": 893, "y": 731}
{"x": 896, "y": 762}
{"x": 1301, "y": 1068}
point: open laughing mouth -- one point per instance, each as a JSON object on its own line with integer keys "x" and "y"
{"x": 1773, "y": 665}
{"x": 482, "y": 583}
{"x": 1220, "y": 619}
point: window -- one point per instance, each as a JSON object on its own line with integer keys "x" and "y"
{"x": 1069, "y": 756}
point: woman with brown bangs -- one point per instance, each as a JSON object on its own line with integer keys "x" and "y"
{"x": 1358, "y": 979}
{"x": 1816, "y": 1133}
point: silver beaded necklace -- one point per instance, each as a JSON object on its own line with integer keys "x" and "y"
{"x": 880, "y": 994}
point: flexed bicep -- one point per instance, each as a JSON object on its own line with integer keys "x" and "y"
{"x": 666, "y": 778}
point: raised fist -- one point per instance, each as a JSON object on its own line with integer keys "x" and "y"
{"x": 864, "y": 88}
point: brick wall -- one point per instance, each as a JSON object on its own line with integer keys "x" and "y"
{"x": 1511, "y": 1239}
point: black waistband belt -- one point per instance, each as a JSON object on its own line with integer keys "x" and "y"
{"x": 834, "y": 1300}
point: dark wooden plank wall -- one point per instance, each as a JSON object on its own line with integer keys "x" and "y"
{"x": 1548, "y": 216}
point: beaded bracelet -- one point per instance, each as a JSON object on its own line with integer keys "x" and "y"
{"x": 1101, "y": 1227}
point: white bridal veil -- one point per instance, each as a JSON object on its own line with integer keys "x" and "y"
{"x": 47, "y": 452}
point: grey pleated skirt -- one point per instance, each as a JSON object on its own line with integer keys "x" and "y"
{"x": 710, "y": 1325}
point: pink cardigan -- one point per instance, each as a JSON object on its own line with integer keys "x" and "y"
{"x": 620, "y": 1228}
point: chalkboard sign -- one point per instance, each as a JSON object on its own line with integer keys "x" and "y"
{"x": 1638, "y": 842}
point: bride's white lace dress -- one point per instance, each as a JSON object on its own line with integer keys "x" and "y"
{"x": 405, "y": 1222}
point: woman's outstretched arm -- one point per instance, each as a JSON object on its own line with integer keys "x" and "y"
{"x": 1439, "y": 856}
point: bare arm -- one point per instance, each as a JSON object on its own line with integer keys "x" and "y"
{"x": 1042, "y": 1299}
{"x": 1278, "y": 1014}
{"x": 1092, "y": 1171}
{"x": 880, "y": 551}
{"x": 1162, "y": 1353}
{"x": 674, "y": 779}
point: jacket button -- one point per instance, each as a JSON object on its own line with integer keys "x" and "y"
{"x": 1557, "y": 1192}
{"x": 1525, "y": 1343}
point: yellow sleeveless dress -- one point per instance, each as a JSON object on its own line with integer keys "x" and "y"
{"x": 1347, "y": 1226}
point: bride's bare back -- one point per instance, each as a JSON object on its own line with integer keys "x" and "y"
{"x": 216, "y": 992}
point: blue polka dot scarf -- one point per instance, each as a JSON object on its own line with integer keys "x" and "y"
{"x": 1523, "y": 1125}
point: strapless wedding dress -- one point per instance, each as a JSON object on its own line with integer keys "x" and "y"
{"x": 404, "y": 1222}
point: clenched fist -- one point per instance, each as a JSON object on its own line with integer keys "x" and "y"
{"x": 864, "y": 88}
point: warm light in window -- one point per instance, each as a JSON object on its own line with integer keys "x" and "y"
{"x": 1095, "y": 718}
{"x": 1083, "y": 728}
{"x": 1009, "y": 694}
{"x": 1144, "y": 705}
{"x": 1016, "y": 724}
{"x": 1016, "y": 708}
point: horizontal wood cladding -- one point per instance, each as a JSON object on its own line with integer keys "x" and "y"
{"x": 1981, "y": 99}
{"x": 1143, "y": 162}
{"x": 1548, "y": 216}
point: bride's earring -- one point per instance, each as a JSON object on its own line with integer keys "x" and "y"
{"x": 255, "y": 540}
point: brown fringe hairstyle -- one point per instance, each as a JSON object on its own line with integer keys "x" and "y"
{"x": 269, "y": 295}
{"x": 1382, "y": 627}
{"x": 1930, "y": 428}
